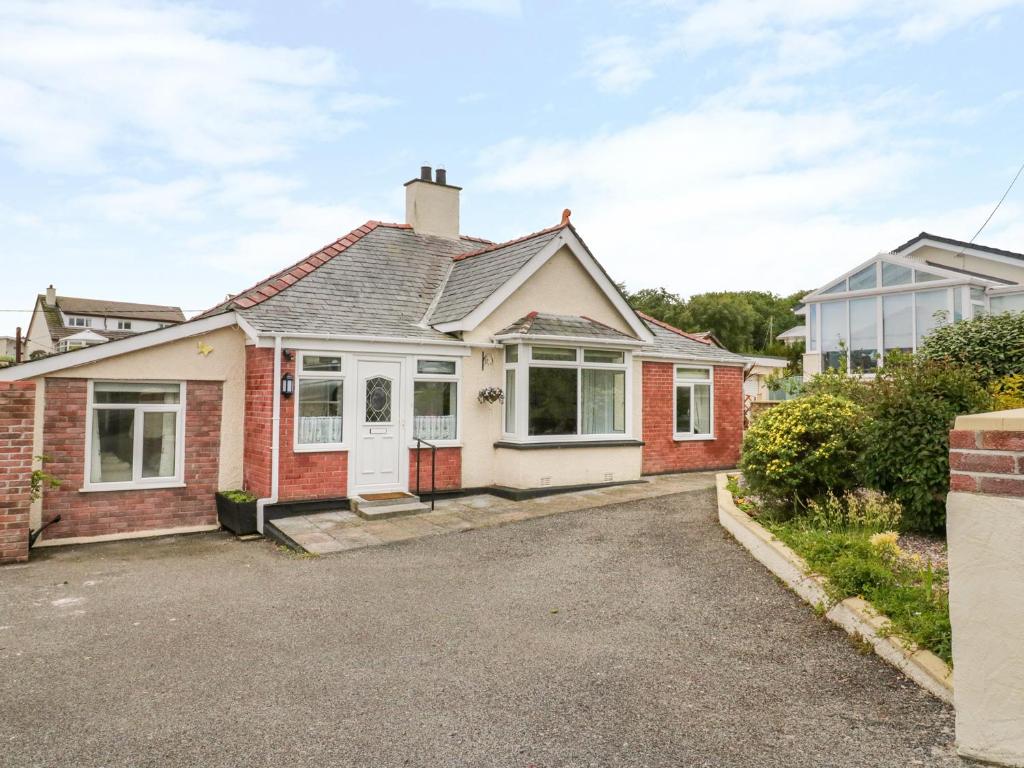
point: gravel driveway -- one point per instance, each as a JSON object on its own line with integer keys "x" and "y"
{"x": 632, "y": 635}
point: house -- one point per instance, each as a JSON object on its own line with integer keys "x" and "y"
{"x": 8, "y": 347}
{"x": 516, "y": 367}
{"x": 63, "y": 323}
{"x": 756, "y": 384}
{"x": 892, "y": 301}
{"x": 792, "y": 336}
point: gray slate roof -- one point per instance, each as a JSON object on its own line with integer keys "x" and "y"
{"x": 541, "y": 324}
{"x": 956, "y": 244}
{"x": 476, "y": 277}
{"x": 670, "y": 343}
{"x": 381, "y": 285}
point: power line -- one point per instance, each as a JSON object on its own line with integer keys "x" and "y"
{"x": 1001, "y": 199}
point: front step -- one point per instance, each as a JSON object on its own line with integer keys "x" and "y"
{"x": 391, "y": 505}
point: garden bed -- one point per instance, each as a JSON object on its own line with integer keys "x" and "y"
{"x": 906, "y": 616}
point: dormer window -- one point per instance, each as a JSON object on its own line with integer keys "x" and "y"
{"x": 78, "y": 322}
{"x": 124, "y": 325}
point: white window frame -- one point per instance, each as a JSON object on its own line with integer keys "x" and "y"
{"x": 455, "y": 378}
{"x": 77, "y": 321}
{"x": 138, "y": 482}
{"x": 509, "y": 430}
{"x": 124, "y": 325}
{"x": 520, "y": 432}
{"x": 301, "y": 373}
{"x": 679, "y": 382}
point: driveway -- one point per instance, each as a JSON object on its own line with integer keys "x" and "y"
{"x": 635, "y": 634}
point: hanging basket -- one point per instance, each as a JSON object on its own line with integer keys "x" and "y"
{"x": 490, "y": 395}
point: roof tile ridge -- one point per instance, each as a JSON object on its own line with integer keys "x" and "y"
{"x": 474, "y": 239}
{"x": 496, "y": 246}
{"x": 672, "y": 328}
{"x": 287, "y": 277}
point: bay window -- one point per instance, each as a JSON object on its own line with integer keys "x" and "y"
{"x": 693, "y": 403}
{"x": 319, "y": 404}
{"x": 570, "y": 392}
{"x": 435, "y": 400}
{"x": 135, "y": 435}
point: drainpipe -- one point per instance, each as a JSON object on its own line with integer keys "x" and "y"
{"x": 275, "y": 440}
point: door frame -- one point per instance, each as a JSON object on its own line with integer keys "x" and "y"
{"x": 401, "y": 421}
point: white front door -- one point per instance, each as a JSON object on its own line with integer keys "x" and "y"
{"x": 378, "y": 460}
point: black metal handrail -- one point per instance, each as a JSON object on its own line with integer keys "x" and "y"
{"x": 433, "y": 468}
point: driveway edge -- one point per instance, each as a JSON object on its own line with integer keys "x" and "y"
{"x": 856, "y": 616}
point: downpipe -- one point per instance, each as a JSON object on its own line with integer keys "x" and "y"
{"x": 275, "y": 439}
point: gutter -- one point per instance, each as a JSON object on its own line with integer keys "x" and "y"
{"x": 275, "y": 440}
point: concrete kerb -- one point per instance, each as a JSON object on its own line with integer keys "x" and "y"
{"x": 856, "y": 616}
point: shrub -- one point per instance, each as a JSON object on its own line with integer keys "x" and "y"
{"x": 1007, "y": 392}
{"x": 912, "y": 408}
{"x": 993, "y": 345}
{"x": 863, "y": 509}
{"x": 853, "y": 575}
{"x": 800, "y": 449}
{"x": 838, "y": 383}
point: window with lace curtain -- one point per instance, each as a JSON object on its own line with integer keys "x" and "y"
{"x": 319, "y": 404}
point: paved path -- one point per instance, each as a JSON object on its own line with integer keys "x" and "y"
{"x": 630, "y": 635}
{"x": 326, "y": 533}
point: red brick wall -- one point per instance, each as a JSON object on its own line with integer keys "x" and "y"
{"x": 448, "y": 475}
{"x": 110, "y": 512}
{"x": 17, "y": 412}
{"x": 987, "y": 462}
{"x": 661, "y": 453}
{"x": 303, "y": 475}
{"x": 259, "y": 392}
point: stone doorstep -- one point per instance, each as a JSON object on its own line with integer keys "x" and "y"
{"x": 855, "y": 615}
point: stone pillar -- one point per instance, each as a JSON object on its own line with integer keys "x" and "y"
{"x": 985, "y": 529}
{"x": 17, "y": 413}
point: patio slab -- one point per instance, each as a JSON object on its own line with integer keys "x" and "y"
{"x": 325, "y": 533}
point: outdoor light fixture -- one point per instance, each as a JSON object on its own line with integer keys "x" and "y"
{"x": 287, "y": 385}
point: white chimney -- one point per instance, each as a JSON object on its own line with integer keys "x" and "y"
{"x": 51, "y": 297}
{"x": 432, "y": 205}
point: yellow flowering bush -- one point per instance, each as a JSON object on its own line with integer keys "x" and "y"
{"x": 1007, "y": 392}
{"x": 800, "y": 449}
{"x": 886, "y": 545}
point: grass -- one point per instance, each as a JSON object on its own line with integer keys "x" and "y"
{"x": 909, "y": 592}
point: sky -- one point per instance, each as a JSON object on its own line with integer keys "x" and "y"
{"x": 175, "y": 153}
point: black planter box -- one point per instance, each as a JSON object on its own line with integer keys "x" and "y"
{"x": 239, "y": 517}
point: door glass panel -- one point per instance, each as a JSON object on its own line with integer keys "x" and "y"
{"x": 897, "y": 323}
{"x": 931, "y": 310}
{"x": 378, "y": 400}
{"x": 863, "y": 335}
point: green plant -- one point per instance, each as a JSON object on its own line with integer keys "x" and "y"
{"x": 802, "y": 448}
{"x": 239, "y": 497}
{"x": 838, "y": 383}
{"x": 863, "y": 509}
{"x": 991, "y": 345}
{"x": 1007, "y": 392}
{"x": 912, "y": 407}
{"x": 41, "y": 479}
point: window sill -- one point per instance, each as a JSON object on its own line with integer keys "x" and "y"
{"x": 692, "y": 438}
{"x": 324, "y": 448}
{"x": 129, "y": 487}
{"x": 626, "y": 443}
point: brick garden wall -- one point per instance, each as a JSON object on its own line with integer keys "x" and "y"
{"x": 989, "y": 462}
{"x": 17, "y": 412}
{"x": 112, "y": 512}
{"x": 448, "y": 475}
{"x": 661, "y": 453}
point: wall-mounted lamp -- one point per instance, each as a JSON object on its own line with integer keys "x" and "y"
{"x": 287, "y": 385}
{"x": 287, "y": 355}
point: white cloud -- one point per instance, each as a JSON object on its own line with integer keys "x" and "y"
{"x": 617, "y": 64}
{"x": 79, "y": 78}
{"x": 496, "y": 7}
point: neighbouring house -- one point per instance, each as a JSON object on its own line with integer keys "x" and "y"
{"x": 64, "y": 323}
{"x": 756, "y": 384}
{"x": 793, "y": 336}
{"x": 8, "y": 347}
{"x": 520, "y": 363}
{"x": 892, "y": 301}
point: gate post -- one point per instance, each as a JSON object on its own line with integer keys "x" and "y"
{"x": 985, "y": 531}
